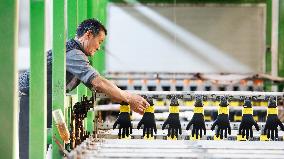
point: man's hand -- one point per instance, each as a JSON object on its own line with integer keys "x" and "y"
{"x": 137, "y": 103}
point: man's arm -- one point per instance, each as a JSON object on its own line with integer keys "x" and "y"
{"x": 136, "y": 102}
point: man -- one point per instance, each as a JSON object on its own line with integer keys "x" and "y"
{"x": 90, "y": 35}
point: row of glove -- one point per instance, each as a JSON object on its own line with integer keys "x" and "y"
{"x": 197, "y": 124}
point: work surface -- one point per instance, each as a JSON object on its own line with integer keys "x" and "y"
{"x": 138, "y": 148}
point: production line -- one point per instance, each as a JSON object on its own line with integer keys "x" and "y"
{"x": 181, "y": 125}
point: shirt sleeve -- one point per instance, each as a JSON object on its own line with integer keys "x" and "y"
{"x": 78, "y": 64}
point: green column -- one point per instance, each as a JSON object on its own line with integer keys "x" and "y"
{"x": 281, "y": 42}
{"x": 72, "y": 21}
{"x": 82, "y": 15}
{"x": 99, "y": 57}
{"x": 8, "y": 78}
{"x": 58, "y": 66}
{"x": 268, "y": 59}
{"x": 37, "y": 139}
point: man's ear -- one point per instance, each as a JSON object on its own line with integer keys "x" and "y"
{"x": 89, "y": 33}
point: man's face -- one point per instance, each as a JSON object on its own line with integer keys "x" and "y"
{"x": 94, "y": 43}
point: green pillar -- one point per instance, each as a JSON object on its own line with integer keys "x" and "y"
{"x": 37, "y": 139}
{"x": 82, "y": 15}
{"x": 58, "y": 66}
{"x": 72, "y": 17}
{"x": 99, "y": 57}
{"x": 268, "y": 59}
{"x": 281, "y": 42}
{"x": 8, "y": 78}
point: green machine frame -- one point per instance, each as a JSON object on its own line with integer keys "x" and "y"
{"x": 77, "y": 10}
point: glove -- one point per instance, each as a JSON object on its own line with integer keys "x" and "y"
{"x": 247, "y": 122}
{"x": 272, "y": 121}
{"x": 173, "y": 120}
{"x": 124, "y": 122}
{"x": 198, "y": 124}
{"x": 222, "y": 121}
{"x": 148, "y": 120}
{"x": 223, "y": 126}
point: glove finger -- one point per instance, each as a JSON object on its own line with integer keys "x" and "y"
{"x": 213, "y": 125}
{"x": 172, "y": 133}
{"x": 229, "y": 130}
{"x": 115, "y": 124}
{"x": 119, "y": 132}
{"x": 204, "y": 129}
{"x": 256, "y": 126}
{"x": 169, "y": 132}
{"x": 180, "y": 130}
{"x": 131, "y": 128}
{"x": 218, "y": 132}
{"x": 192, "y": 132}
{"x": 221, "y": 134}
{"x": 226, "y": 133}
{"x": 148, "y": 132}
{"x": 200, "y": 133}
{"x": 196, "y": 133}
{"x": 247, "y": 134}
{"x": 188, "y": 125}
{"x": 165, "y": 124}
{"x": 155, "y": 128}
{"x": 139, "y": 124}
{"x": 123, "y": 133}
{"x": 251, "y": 133}
{"x": 144, "y": 131}
{"x": 243, "y": 133}
{"x": 176, "y": 133}
{"x": 272, "y": 134}
{"x": 281, "y": 125}
{"x": 152, "y": 132}
{"x": 127, "y": 132}
{"x": 268, "y": 134}
{"x": 276, "y": 133}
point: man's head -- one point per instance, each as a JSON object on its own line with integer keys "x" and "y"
{"x": 91, "y": 33}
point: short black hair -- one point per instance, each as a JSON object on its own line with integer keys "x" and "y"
{"x": 90, "y": 24}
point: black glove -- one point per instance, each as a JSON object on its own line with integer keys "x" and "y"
{"x": 173, "y": 120}
{"x": 124, "y": 123}
{"x": 247, "y": 122}
{"x": 174, "y": 125}
{"x": 223, "y": 126}
{"x": 271, "y": 126}
{"x": 198, "y": 125}
{"x": 148, "y": 120}
{"x": 272, "y": 121}
{"x": 222, "y": 121}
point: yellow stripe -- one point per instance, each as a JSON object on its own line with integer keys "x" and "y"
{"x": 160, "y": 103}
{"x": 125, "y": 108}
{"x": 223, "y": 110}
{"x": 263, "y": 103}
{"x": 241, "y": 138}
{"x": 206, "y": 103}
{"x": 148, "y": 138}
{"x": 272, "y": 111}
{"x": 216, "y": 138}
{"x": 263, "y": 138}
{"x": 207, "y": 118}
{"x": 194, "y": 138}
{"x": 174, "y": 109}
{"x": 170, "y": 138}
{"x": 215, "y": 103}
{"x": 188, "y": 103}
{"x": 235, "y": 103}
{"x": 198, "y": 110}
{"x": 247, "y": 111}
{"x": 255, "y": 118}
{"x": 150, "y": 109}
{"x": 237, "y": 118}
